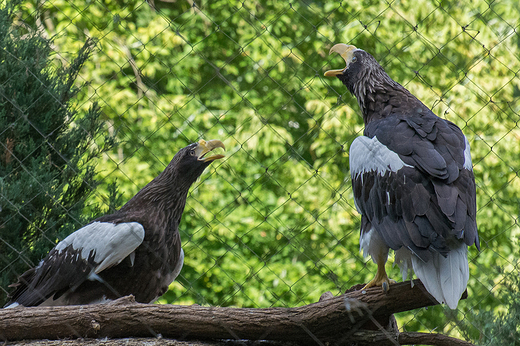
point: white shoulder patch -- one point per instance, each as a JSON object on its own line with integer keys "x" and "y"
{"x": 111, "y": 243}
{"x": 368, "y": 154}
{"x": 467, "y": 156}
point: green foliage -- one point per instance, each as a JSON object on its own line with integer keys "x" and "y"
{"x": 500, "y": 325}
{"x": 274, "y": 224}
{"x": 47, "y": 148}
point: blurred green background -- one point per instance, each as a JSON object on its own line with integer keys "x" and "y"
{"x": 274, "y": 224}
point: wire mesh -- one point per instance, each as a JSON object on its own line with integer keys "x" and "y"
{"x": 274, "y": 223}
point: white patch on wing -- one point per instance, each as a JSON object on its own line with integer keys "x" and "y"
{"x": 467, "y": 156}
{"x": 368, "y": 154}
{"x": 110, "y": 243}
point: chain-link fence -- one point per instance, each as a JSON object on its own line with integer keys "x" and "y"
{"x": 274, "y": 223}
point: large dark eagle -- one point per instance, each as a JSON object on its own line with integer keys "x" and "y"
{"x": 412, "y": 180}
{"x": 136, "y": 250}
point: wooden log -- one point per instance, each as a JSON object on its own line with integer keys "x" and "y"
{"x": 326, "y": 321}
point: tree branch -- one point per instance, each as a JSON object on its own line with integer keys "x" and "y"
{"x": 410, "y": 338}
{"x": 337, "y": 320}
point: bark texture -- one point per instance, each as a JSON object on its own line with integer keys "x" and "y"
{"x": 359, "y": 317}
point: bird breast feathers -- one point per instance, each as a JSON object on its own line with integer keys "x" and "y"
{"x": 109, "y": 243}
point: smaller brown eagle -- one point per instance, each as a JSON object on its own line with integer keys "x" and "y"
{"x": 136, "y": 250}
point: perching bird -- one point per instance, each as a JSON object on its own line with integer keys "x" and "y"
{"x": 136, "y": 250}
{"x": 412, "y": 180}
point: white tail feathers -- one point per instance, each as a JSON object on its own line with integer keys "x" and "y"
{"x": 445, "y": 278}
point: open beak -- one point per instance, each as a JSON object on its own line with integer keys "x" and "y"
{"x": 205, "y": 147}
{"x": 346, "y": 52}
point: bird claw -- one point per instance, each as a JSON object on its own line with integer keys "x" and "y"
{"x": 384, "y": 282}
{"x": 386, "y": 285}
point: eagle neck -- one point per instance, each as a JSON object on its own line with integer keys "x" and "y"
{"x": 377, "y": 94}
{"x": 163, "y": 199}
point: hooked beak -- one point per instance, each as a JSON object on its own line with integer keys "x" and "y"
{"x": 205, "y": 147}
{"x": 346, "y": 52}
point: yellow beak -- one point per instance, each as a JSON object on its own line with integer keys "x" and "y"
{"x": 205, "y": 147}
{"x": 346, "y": 52}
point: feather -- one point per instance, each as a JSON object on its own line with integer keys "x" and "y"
{"x": 11, "y": 306}
{"x": 445, "y": 278}
{"x": 372, "y": 244}
{"x": 403, "y": 258}
{"x": 467, "y": 156}
{"x": 108, "y": 242}
{"x": 370, "y": 155}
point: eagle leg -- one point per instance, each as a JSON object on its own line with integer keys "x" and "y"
{"x": 381, "y": 279}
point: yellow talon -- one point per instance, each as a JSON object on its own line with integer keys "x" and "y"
{"x": 381, "y": 279}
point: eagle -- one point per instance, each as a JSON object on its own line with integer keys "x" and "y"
{"x": 412, "y": 181}
{"x": 136, "y": 250}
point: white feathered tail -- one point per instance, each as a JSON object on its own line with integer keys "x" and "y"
{"x": 445, "y": 278}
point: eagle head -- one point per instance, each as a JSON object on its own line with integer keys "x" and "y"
{"x": 191, "y": 161}
{"x": 363, "y": 76}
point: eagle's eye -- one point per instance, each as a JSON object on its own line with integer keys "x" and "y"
{"x": 192, "y": 152}
{"x": 353, "y": 59}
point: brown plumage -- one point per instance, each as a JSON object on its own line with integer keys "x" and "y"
{"x": 136, "y": 250}
{"x": 412, "y": 180}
